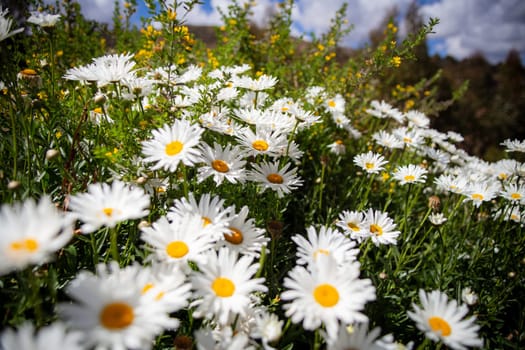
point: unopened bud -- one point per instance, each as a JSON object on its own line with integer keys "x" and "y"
{"x": 12, "y": 185}
{"x": 51, "y": 153}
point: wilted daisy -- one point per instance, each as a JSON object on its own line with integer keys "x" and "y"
{"x": 352, "y": 223}
{"x": 53, "y": 336}
{"x": 444, "y": 320}
{"x": 337, "y": 147}
{"x": 270, "y": 176}
{"x": 267, "y": 327}
{"x": 357, "y": 337}
{"x": 107, "y": 205}
{"x": 111, "y": 310}
{"x": 43, "y": 19}
{"x": 30, "y": 233}
{"x": 409, "y": 174}
{"x": 178, "y": 242}
{"x": 370, "y": 162}
{"x": 263, "y": 141}
{"x": 380, "y": 228}
{"x": 223, "y": 286}
{"x": 222, "y": 164}
{"x": 326, "y": 294}
{"x": 5, "y": 25}
{"x": 325, "y": 241}
{"x": 172, "y": 145}
{"x": 243, "y": 236}
{"x": 211, "y": 210}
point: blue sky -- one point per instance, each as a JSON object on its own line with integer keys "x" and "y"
{"x": 489, "y": 27}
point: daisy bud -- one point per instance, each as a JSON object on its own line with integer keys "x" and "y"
{"x": 12, "y": 185}
{"x": 143, "y": 224}
{"x": 183, "y": 342}
{"x": 51, "y": 153}
{"x": 275, "y": 228}
{"x": 434, "y": 203}
{"x": 100, "y": 99}
{"x": 141, "y": 180}
{"x": 468, "y": 296}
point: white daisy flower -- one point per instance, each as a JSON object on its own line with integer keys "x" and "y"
{"x": 253, "y": 99}
{"x": 358, "y": 337}
{"x": 53, "y": 336}
{"x": 43, "y": 19}
{"x": 468, "y": 296}
{"x": 380, "y": 228}
{"x": 264, "y": 82}
{"x": 444, "y": 320}
{"x": 451, "y": 183}
{"x": 263, "y": 141}
{"x": 437, "y": 219}
{"x": 111, "y": 310}
{"x": 418, "y": 119}
{"x": 514, "y": 193}
{"x": 410, "y": 137}
{"x": 223, "y": 286}
{"x": 370, "y": 162}
{"x": 325, "y": 241}
{"x": 5, "y": 25}
{"x": 337, "y": 147}
{"x": 114, "y": 68}
{"x": 352, "y": 223}
{"x": 335, "y": 104}
{"x": 514, "y": 145}
{"x": 172, "y": 145}
{"x": 326, "y": 294}
{"x": 107, "y": 205}
{"x": 243, "y": 236}
{"x": 30, "y": 233}
{"x": 222, "y": 163}
{"x": 178, "y": 242}
{"x": 480, "y": 192}
{"x": 223, "y": 339}
{"x": 387, "y": 140}
{"x": 269, "y": 176}
{"x": 211, "y": 210}
{"x": 267, "y": 327}
{"x": 382, "y": 109}
{"x": 340, "y": 120}
{"x": 409, "y": 174}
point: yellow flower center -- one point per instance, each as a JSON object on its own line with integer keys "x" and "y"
{"x": 409, "y": 177}
{"x": 223, "y": 287}
{"x": 352, "y": 226}
{"x": 407, "y": 140}
{"x": 437, "y": 324}
{"x": 338, "y": 142}
{"x": 108, "y": 211}
{"x": 116, "y": 316}
{"x": 98, "y": 110}
{"x": 206, "y": 221}
{"x": 502, "y": 176}
{"x": 515, "y": 196}
{"x": 477, "y": 196}
{"x": 331, "y": 103}
{"x": 275, "y": 178}
{"x": 177, "y": 249}
{"x": 220, "y": 165}
{"x": 376, "y": 230}
{"x": 28, "y": 71}
{"x": 326, "y": 295}
{"x": 173, "y": 148}
{"x": 29, "y": 245}
{"x": 235, "y": 237}
{"x": 260, "y": 145}
{"x": 369, "y": 165}
{"x": 321, "y": 251}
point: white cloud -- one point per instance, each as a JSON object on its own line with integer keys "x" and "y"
{"x": 485, "y": 26}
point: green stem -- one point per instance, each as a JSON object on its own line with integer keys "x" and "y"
{"x": 114, "y": 244}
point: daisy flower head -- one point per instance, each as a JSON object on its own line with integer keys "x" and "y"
{"x": 243, "y": 236}
{"x": 480, "y": 192}
{"x": 335, "y": 104}
{"x": 358, "y": 337}
{"x": 437, "y": 219}
{"x": 31, "y": 233}
{"x": 325, "y": 241}
{"x": 5, "y": 25}
{"x": 173, "y": 144}
{"x": 514, "y": 145}
{"x": 514, "y": 193}
{"x": 44, "y": 20}
{"x": 418, "y": 119}
{"x": 387, "y": 140}
{"x": 264, "y": 82}
{"x": 223, "y": 286}
{"x": 53, "y": 336}
{"x": 326, "y": 294}
{"x": 107, "y": 205}
{"x": 270, "y": 176}
{"x": 382, "y": 109}
{"x": 352, "y": 223}
{"x": 337, "y": 147}
{"x": 370, "y": 162}
{"x": 222, "y": 164}
{"x": 410, "y": 137}
{"x": 211, "y": 210}
{"x": 178, "y": 242}
{"x": 380, "y": 228}
{"x": 444, "y": 320}
{"x": 263, "y": 141}
{"x": 109, "y": 307}
{"x": 267, "y": 327}
{"x": 451, "y": 183}
{"x": 409, "y": 174}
